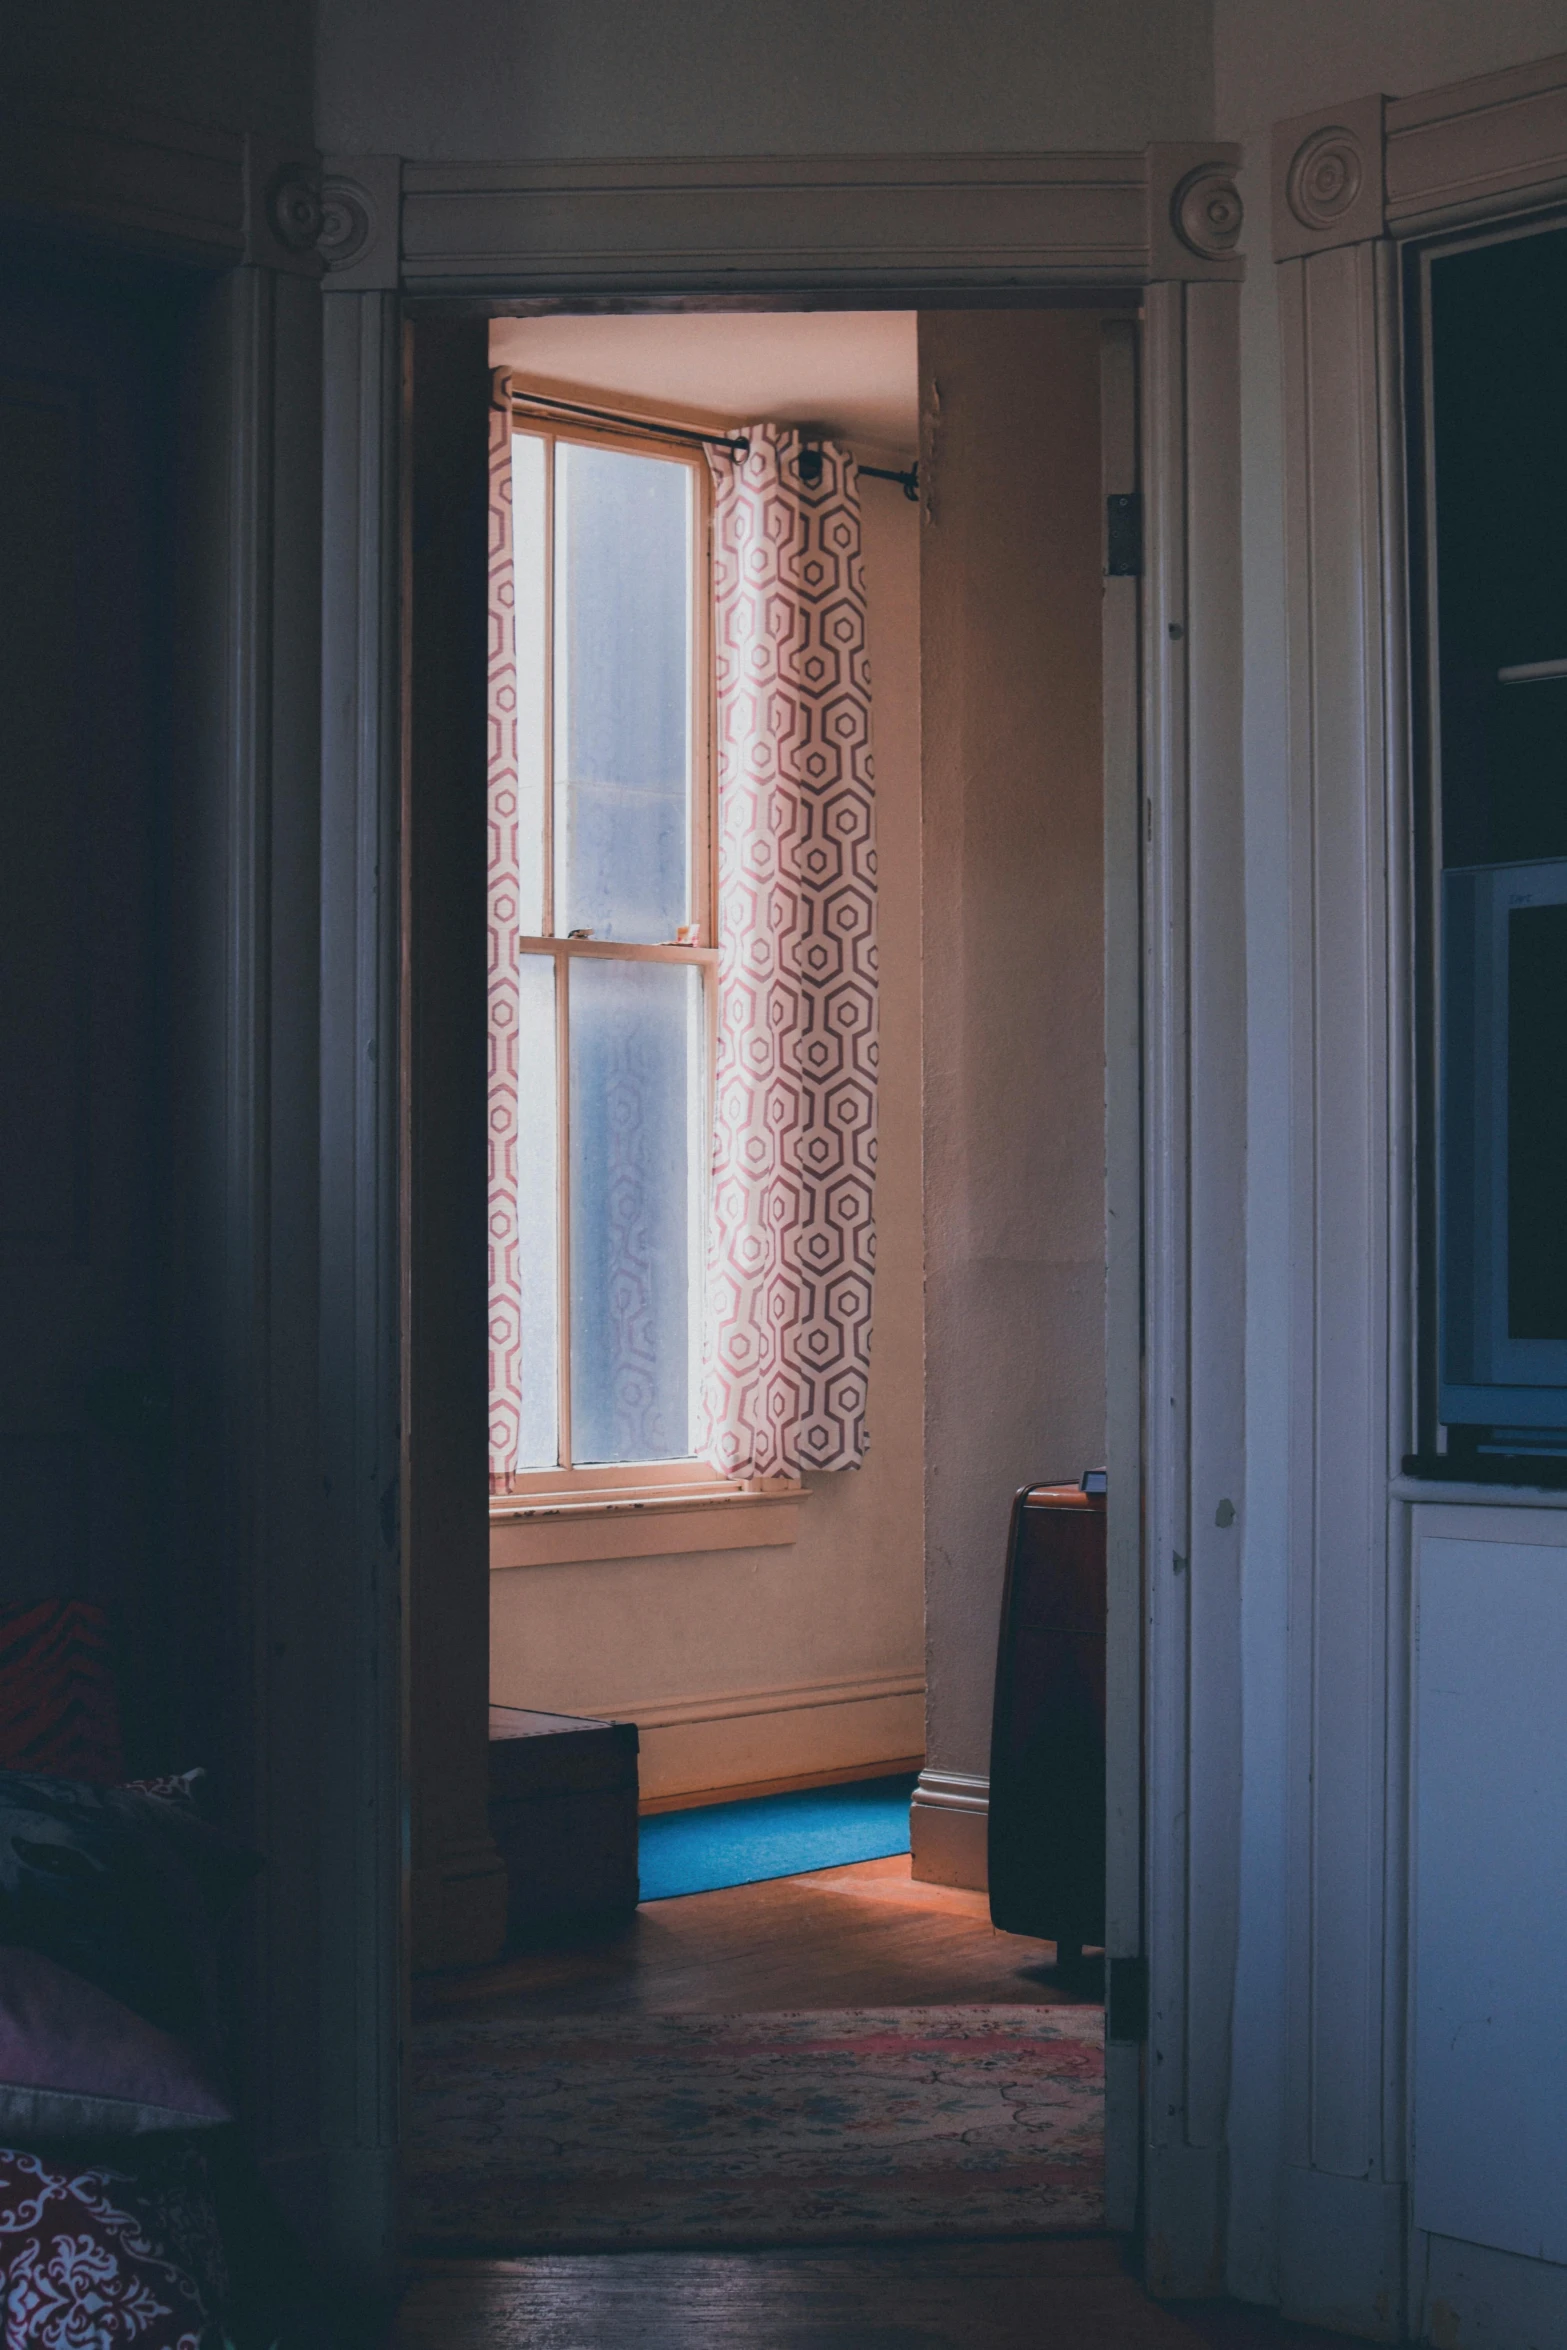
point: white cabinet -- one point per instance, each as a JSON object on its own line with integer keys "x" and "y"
{"x": 1490, "y": 1878}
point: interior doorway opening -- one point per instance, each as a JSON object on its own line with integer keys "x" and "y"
{"x": 985, "y": 602}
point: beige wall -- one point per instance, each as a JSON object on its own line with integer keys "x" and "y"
{"x": 753, "y": 1664}
{"x": 1014, "y": 1049}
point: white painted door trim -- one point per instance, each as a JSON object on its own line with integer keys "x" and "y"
{"x": 515, "y": 236}
{"x": 1194, "y": 1109}
{"x": 1354, "y": 185}
{"x": 365, "y": 1856}
{"x": 771, "y": 226}
{"x": 1120, "y": 477}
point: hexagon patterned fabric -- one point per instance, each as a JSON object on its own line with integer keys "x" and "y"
{"x": 792, "y": 1237}
{"x": 504, "y": 900}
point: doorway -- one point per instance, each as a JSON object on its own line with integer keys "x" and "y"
{"x": 1005, "y": 937}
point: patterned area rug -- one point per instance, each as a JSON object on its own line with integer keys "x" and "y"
{"x": 582, "y": 2132}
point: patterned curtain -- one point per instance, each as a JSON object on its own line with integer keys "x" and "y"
{"x": 504, "y": 905}
{"x": 792, "y": 1248}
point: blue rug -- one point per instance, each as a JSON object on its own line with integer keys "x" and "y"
{"x": 772, "y": 1836}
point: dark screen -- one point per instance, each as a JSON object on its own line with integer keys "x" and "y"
{"x": 1537, "y": 1122}
{"x": 1499, "y": 383}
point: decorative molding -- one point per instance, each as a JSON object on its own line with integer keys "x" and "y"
{"x": 1208, "y": 213}
{"x": 282, "y": 207}
{"x": 1121, "y": 653}
{"x": 1351, "y": 977}
{"x": 1193, "y": 929}
{"x": 359, "y": 1565}
{"x": 887, "y": 1766}
{"x": 457, "y": 1903}
{"x": 1480, "y": 2296}
{"x": 747, "y": 1704}
{"x": 964, "y": 1791}
{"x": 1194, "y": 215}
{"x": 1327, "y": 179}
{"x": 361, "y": 197}
{"x": 1401, "y": 166}
{"x": 807, "y": 225}
{"x": 1495, "y": 144}
{"x": 1341, "y": 2253}
{"x": 137, "y": 180}
{"x": 593, "y": 1533}
{"x": 949, "y": 1829}
{"x": 294, "y": 211}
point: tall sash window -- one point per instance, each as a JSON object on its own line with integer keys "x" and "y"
{"x": 681, "y": 1132}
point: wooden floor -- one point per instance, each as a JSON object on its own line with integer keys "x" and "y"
{"x": 1075, "y": 2294}
{"x": 865, "y": 1936}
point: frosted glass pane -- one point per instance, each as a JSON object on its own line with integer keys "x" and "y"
{"x": 622, "y": 693}
{"x": 530, "y": 566}
{"x": 538, "y": 1214}
{"x": 636, "y": 1076}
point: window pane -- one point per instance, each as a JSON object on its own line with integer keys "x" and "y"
{"x": 636, "y": 1088}
{"x": 622, "y": 693}
{"x": 530, "y": 557}
{"x": 538, "y": 1220}
{"x": 1536, "y": 1122}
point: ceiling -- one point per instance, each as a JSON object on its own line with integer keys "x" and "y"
{"x": 852, "y": 373}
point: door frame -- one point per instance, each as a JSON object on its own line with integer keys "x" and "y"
{"x": 311, "y": 1264}
{"x": 863, "y": 233}
{"x": 1359, "y": 188}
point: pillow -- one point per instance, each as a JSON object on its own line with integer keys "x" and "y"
{"x": 122, "y": 1888}
{"x": 58, "y": 1709}
{"x": 76, "y": 2064}
{"x": 110, "y": 2255}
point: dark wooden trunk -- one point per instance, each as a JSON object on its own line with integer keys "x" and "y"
{"x": 563, "y": 1811}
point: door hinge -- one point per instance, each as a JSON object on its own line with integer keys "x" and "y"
{"x": 1124, "y": 536}
{"x": 1126, "y": 1999}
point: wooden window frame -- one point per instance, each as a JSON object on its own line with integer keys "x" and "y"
{"x": 592, "y": 1488}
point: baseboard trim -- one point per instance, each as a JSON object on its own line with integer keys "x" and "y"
{"x": 849, "y": 1774}
{"x": 1341, "y": 2254}
{"x": 949, "y": 1823}
{"x": 742, "y": 1704}
{"x": 342, "y": 2203}
{"x": 457, "y": 1906}
{"x": 1495, "y": 2300}
{"x": 738, "y": 1742}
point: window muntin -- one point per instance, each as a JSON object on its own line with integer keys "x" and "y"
{"x": 617, "y": 985}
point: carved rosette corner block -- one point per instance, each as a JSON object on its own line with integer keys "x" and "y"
{"x": 1195, "y": 215}
{"x": 1325, "y": 177}
{"x": 294, "y": 209}
{"x": 282, "y": 207}
{"x": 1206, "y": 212}
{"x": 1328, "y": 180}
{"x": 360, "y": 203}
{"x": 348, "y": 223}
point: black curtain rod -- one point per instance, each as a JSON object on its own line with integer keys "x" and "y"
{"x": 736, "y": 443}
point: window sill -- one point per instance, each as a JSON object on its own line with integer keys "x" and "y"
{"x": 557, "y": 1530}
